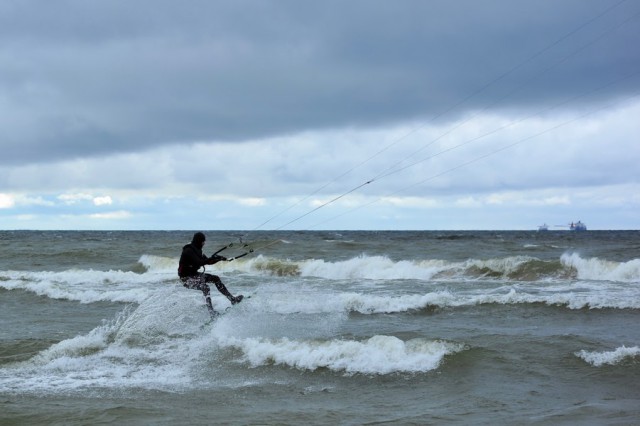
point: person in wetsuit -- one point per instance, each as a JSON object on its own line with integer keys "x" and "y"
{"x": 191, "y": 260}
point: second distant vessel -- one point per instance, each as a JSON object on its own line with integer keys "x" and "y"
{"x": 578, "y": 226}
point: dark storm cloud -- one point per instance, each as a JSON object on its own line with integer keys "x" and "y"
{"x": 82, "y": 78}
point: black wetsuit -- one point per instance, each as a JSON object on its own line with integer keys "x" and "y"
{"x": 191, "y": 260}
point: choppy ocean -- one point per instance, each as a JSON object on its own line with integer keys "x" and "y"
{"x": 344, "y": 328}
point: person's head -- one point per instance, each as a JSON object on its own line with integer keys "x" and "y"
{"x": 198, "y": 239}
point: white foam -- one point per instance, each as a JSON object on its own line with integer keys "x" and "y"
{"x": 598, "y": 359}
{"x": 603, "y": 270}
{"x": 372, "y": 267}
{"x": 383, "y": 268}
{"x": 377, "y": 355}
{"x": 572, "y": 296}
{"x": 159, "y": 264}
{"x": 361, "y": 267}
{"x": 275, "y": 299}
{"x": 357, "y": 284}
{"x": 576, "y": 296}
{"x": 505, "y": 265}
{"x": 154, "y": 346}
{"x": 162, "y": 344}
{"x": 86, "y": 286}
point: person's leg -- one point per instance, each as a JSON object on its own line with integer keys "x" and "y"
{"x": 222, "y": 288}
{"x": 199, "y": 283}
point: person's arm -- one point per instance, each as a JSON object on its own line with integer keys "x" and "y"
{"x": 193, "y": 259}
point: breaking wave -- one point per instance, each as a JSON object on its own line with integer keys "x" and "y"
{"x": 571, "y": 281}
{"x": 615, "y": 357}
{"x": 163, "y": 344}
{"x": 518, "y": 268}
{"x": 376, "y": 355}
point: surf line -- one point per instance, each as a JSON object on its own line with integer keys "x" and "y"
{"x": 397, "y": 166}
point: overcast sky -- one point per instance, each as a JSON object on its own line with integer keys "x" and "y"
{"x": 263, "y": 115}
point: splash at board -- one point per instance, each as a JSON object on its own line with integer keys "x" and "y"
{"x": 217, "y": 314}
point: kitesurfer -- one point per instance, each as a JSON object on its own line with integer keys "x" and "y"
{"x": 191, "y": 260}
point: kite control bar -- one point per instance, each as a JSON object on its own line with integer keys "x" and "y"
{"x": 249, "y": 251}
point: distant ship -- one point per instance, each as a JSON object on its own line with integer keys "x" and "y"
{"x": 577, "y": 226}
{"x": 543, "y": 227}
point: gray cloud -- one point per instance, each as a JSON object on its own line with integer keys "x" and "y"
{"x": 84, "y": 78}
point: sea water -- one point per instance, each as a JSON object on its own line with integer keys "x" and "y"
{"x": 340, "y": 328}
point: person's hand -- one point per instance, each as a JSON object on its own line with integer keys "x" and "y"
{"x": 216, "y": 258}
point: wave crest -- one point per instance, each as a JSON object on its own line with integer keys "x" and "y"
{"x": 518, "y": 268}
{"x": 377, "y": 355}
{"x": 602, "y": 270}
{"x": 620, "y": 355}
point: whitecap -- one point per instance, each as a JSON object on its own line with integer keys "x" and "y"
{"x": 598, "y": 359}
{"x": 377, "y": 355}
{"x": 603, "y": 270}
